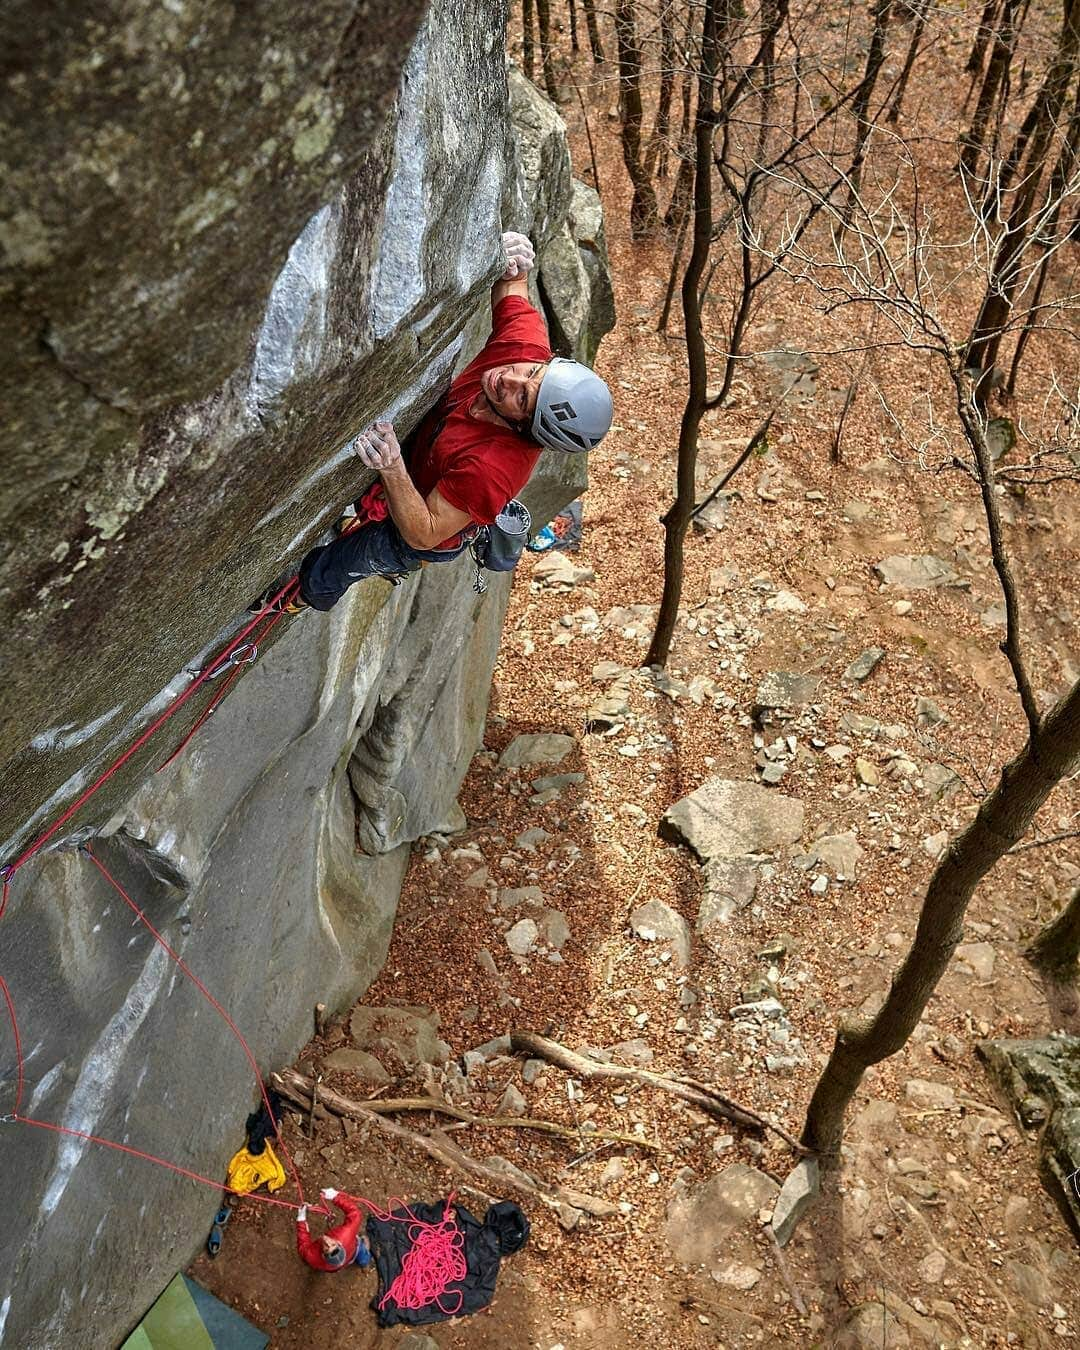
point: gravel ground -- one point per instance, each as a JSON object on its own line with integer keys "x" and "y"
{"x": 938, "y": 1215}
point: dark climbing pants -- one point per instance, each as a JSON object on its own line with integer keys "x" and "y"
{"x": 374, "y": 550}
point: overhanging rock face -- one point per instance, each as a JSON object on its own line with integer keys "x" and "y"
{"x": 291, "y": 254}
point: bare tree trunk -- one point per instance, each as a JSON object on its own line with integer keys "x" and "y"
{"x": 528, "y": 41}
{"x": 994, "y": 83}
{"x": 982, "y": 38}
{"x": 770, "y": 23}
{"x": 673, "y": 275}
{"x": 543, "y": 13}
{"x": 656, "y": 157}
{"x": 1003, "y": 819}
{"x": 1042, "y": 106}
{"x": 1056, "y": 949}
{"x": 875, "y": 58}
{"x": 575, "y": 46}
{"x": 677, "y": 519}
{"x": 644, "y": 215}
{"x": 1059, "y": 188}
{"x": 922, "y": 10}
{"x": 683, "y": 191}
{"x": 593, "y": 29}
{"x": 996, "y": 307}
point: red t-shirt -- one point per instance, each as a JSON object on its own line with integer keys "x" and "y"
{"x": 310, "y": 1248}
{"x": 478, "y": 466}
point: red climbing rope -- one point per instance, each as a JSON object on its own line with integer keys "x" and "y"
{"x": 209, "y": 998}
{"x": 152, "y": 1157}
{"x": 17, "y": 1116}
{"x": 208, "y": 671}
{"x": 435, "y": 1260}
{"x": 19, "y": 1071}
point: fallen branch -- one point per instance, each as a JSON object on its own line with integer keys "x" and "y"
{"x": 755, "y": 440}
{"x": 785, "y": 1273}
{"x": 567, "y": 1204}
{"x": 689, "y": 1090}
{"x": 390, "y": 1106}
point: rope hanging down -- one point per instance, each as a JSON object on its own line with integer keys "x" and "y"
{"x": 208, "y": 672}
{"x": 436, "y": 1258}
{"x": 230, "y": 656}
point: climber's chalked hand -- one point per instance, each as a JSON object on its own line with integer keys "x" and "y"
{"x": 520, "y": 255}
{"x": 378, "y": 447}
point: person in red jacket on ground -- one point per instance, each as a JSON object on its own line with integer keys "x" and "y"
{"x": 472, "y": 453}
{"x": 338, "y": 1247}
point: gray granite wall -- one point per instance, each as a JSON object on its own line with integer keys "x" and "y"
{"x": 227, "y": 246}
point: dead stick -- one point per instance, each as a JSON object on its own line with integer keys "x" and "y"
{"x": 751, "y": 446}
{"x": 558, "y": 1198}
{"x": 314, "y": 1104}
{"x": 785, "y": 1273}
{"x": 389, "y": 1106}
{"x": 697, "y": 1094}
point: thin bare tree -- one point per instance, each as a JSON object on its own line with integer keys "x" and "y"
{"x": 677, "y": 519}
{"x": 547, "y": 60}
{"x": 644, "y": 214}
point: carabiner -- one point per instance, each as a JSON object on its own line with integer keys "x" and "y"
{"x": 244, "y": 655}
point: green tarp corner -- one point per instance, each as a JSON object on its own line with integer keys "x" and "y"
{"x": 187, "y": 1317}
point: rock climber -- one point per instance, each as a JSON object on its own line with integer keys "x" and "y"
{"x": 338, "y": 1247}
{"x": 473, "y": 452}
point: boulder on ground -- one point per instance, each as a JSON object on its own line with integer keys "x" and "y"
{"x": 919, "y": 572}
{"x": 838, "y": 854}
{"x": 1041, "y": 1078}
{"x": 655, "y": 921}
{"x": 702, "y": 1220}
{"x": 780, "y": 694}
{"x": 730, "y": 818}
{"x": 408, "y": 1033}
{"x": 729, "y": 885}
{"x": 358, "y": 1062}
{"x": 545, "y": 747}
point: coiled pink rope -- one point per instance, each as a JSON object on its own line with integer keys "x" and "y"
{"x": 435, "y": 1260}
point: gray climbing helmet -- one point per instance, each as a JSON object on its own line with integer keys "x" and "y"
{"x": 573, "y": 407}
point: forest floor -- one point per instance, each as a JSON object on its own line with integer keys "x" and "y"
{"x": 938, "y": 1231}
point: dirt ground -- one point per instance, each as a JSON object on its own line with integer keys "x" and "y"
{"x": 938, "y": 1230}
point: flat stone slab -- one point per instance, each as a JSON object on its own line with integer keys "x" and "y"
{"x": 837, "y": 854}
{"x": 797, "y": 1194}
{"x": 523, "y": 937}
{"x": 781, "y": 693}
{"x": 702, "y": 1221}
{"x": 545, "y": 747}
{"x": 864, "y": 664}
{"x": 359, "y": 1062}
{"x": 1041, "y": 1079}
{"x": 408, "y": 1033}
{"x": 916, "y": 572}
{"x": 728, "y": 886}
{"x": 730, "y": 818}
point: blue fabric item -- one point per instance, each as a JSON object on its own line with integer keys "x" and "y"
{"x": 375, "y": 550}
{"x": 363, "y": 1254}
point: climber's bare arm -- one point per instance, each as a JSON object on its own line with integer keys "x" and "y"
{"x": 423, "y": 523}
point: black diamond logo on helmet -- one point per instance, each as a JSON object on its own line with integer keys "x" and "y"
{"x": 563, "y": 411}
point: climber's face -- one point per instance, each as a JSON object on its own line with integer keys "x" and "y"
{"x": 511, "y": 390}
{"x": 333, "y": 1251}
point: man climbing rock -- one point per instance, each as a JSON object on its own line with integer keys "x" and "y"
{"x": 472, "y": 453}
{"x": 338, "y": 1247}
